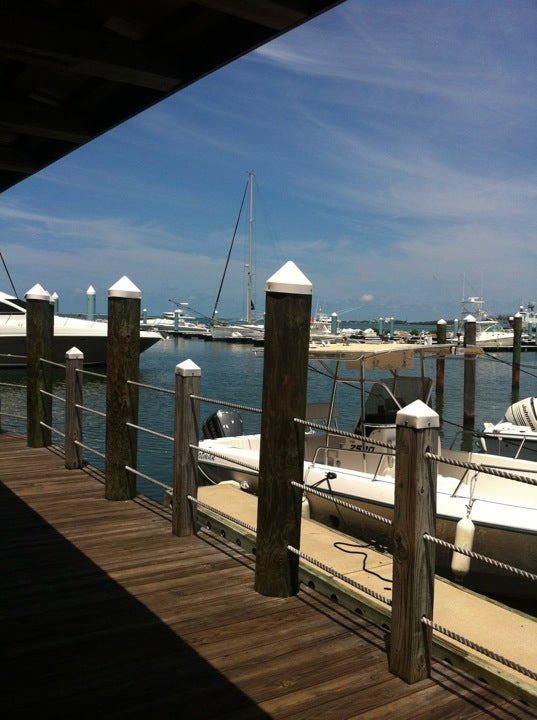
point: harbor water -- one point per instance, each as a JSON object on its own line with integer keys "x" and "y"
{"x": 233, "y": 373}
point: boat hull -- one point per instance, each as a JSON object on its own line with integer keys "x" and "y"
{"x": 94, "y": 347}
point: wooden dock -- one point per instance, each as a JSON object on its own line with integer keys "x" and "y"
{"x": 106, "y": 613}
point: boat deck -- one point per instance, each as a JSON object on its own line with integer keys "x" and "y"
{"x": 106, "y": 613}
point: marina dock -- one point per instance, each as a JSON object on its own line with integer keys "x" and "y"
{"x": 106, "y": 612}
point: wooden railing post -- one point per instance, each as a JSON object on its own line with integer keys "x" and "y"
{"x": 39, "y": 340}
{"x": 74, "y": 361}
{"x": 123, "y": 362}
{"x": 281, "y": 460}
{"x": 185, "y": 465}
{"x": 413, "y": 559}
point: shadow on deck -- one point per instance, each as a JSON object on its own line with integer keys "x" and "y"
{"x": 106, "y": 613}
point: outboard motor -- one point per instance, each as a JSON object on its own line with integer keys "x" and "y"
{"x": 223, "y": 423}
{"x": 523, "y": 412}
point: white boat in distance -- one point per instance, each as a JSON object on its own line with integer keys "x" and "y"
{"x": 503, "y": 512}
{"x": 490, "y": 334}
{"x": 89, "y": 336}
{"x": 176, "y": 322}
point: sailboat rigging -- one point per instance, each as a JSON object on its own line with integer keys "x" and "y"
{"x": 248, "y": 330}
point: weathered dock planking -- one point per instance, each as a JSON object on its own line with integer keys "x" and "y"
{"x": 106, "y": 613}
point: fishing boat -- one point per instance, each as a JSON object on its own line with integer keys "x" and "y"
{"x": 490, "y": 334}
{"x": 381, "y": 379}
{"x": 528, "y": 316}
{"x": 324, "y": 327}
{"x": 516, "y": 434}
{"x": 89, "y": 336}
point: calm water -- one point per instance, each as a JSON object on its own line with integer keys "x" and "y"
{"x": 234, "y": 373}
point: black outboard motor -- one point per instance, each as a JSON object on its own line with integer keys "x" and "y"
{"x": 223, "y": 423}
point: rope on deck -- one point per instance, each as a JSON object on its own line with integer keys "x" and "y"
{"x": 479, "y": 648}
{"x": 339, "y": 575}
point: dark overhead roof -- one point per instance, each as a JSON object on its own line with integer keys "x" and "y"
{"x": 73, "y": 69}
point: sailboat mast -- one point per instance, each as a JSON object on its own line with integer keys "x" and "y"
{"x": 250, "y": 250}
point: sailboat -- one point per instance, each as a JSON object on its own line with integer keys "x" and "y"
{"x": 245, "y": 330}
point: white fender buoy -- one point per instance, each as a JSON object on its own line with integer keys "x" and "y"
{"x": 464, "y": 538}
{"x": 305, "y": 507}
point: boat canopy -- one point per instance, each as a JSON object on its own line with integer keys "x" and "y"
{"x": 378, "y": 356}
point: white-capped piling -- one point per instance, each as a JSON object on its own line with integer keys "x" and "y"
{"x": 185, "y": 466}
{"x": 281, "y": 459}
{"x": 413, "y": 560}
{"x": 90, "y": 303}
{"x": 122, "y": 360}
{"x": 74, "y": 361}
{"x": 39, "y": 343}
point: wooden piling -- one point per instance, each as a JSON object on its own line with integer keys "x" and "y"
{"x": 185, "y": 466}
{"x": 39, "y": 341}
{"x": 470, "y": 332}
{"x": 413, "y": 558}
{"x": 441, "y": 339}
{"x": 123, "y": 361}
{"x": 517, "y": 347}
{"x": 281, "y": 460}
{"x": 74, "y": 361}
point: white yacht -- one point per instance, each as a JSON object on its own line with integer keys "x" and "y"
{"x": 89, "y": 336}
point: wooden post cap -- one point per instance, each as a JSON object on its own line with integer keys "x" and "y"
{"x": 74, "y": 354}
{"x": 37, "y": 293}
{"x": 417, "y": 415}
{"x": 124, "y": 288}
{"x": 289, "y": 279}
{"x": 188, "y": 368}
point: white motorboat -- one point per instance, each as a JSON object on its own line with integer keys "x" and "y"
{"x": 529, "y": 321}
{"x": 503, "y": 512}
{"x": 516, "y": 434}
{"x": 176, "y": 322}
{"x": 89, "y": 336}
{"x": 490, "y": 334}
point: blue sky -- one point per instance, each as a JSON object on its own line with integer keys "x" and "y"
{"x": 394, "y": 146}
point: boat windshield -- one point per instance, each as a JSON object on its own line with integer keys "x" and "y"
{"x": 11, "y": 305}
{"x": 387, "y": 396}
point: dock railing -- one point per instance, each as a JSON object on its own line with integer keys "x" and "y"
{"x": 412, "y": 617}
